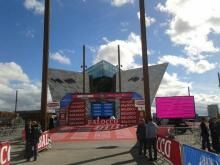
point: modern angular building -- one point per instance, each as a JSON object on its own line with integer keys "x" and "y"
{"x": 103, "y": 77}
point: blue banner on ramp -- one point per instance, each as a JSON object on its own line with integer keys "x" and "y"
{"x": 194, "y": 156}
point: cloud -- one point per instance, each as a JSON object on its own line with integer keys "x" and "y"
{"x": 11, "y": 72}
{"x": 60, "y": 58}
{"x": 148, "y": 20}
{"x": 128, "y": 50}
{"x": 37, "y": 6}
{"x": 191, "y": 22}
{"x": 12, "y": 78}
{"x": 119, "y": 3}
{"x": 192, "y": 66}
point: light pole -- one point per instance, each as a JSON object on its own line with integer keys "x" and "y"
{"x": 16, "y": 101}
{"x": 145, "y": 60}
{"x": 45, "y": 65}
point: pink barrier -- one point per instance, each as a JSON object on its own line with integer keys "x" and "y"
{"x": 43, "y": 140}
{"x": 170, "y": 149}
{"x": 5, "y": 150}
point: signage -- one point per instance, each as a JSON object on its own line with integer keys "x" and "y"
{"x": 170, "y": 149}
{"x": 5, "y": 150}
{"x": 77, "y": 113}
{"x": 53, "y": 105}
{"x": 103, "y": 95}
{"x": 43, "y": 141}
{"x": 193, "y": 156}
{"x": 62, "y": 117}
{"x": 103, "y": 122}
{"x": 128, "y": 112}
{"x": 175, "y": 107}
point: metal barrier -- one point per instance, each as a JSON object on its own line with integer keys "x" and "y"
{"x": 184, "y": 135}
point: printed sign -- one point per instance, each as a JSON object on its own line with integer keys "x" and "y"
{"x": 170, "y": 149}
{"x": 103, "y": 122}
{"x": 77, "y": 113}
{"x": 62, "y": 117}
{"x": 5, "y": 150}
{"x": 175, "y": 107}
{"x": 194, "y": 156}
{"x": 128, "y": 112}
{"x": 43, "y": 141}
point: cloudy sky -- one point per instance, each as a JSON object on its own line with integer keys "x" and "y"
{"x": 184, "y": 33}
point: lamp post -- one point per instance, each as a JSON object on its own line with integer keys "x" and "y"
{"x": 119, "y": 68}
{"x": 16, "y": 100}
{"x": 45, "y": 65}
{"x": 145, "y": 60}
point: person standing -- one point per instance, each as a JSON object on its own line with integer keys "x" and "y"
{"x": 35, "y": 135}
{"x": 204, "y": 135}
{"x": 214, "y": 135}
{"x": 151, "y": 135}
{"x": 141, "y": 135}
{"x": 28, "y": 149}
{"x": 217, "y": 128}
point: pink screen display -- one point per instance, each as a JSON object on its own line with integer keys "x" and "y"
{"x": 175, "y": 107}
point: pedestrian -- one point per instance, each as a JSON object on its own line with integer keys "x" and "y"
{"x": 28, "y": 150}
{"x": 204, "y": 135}
{"x": 141, "y": 136}
{"x": 35, "y": 135}
{"x": 213, "y": 133}
{"x": 151, "y": 136}
{"x": 217, "y": 128}
{"x": 51, "y": 123}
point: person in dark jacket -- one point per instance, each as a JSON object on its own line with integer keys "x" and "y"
{"x": 28, "y": 150}
{"x": 35, "y": 135}
{"x": 204, "y": 135}
{"x": 141, "y": 136}
{"x": 214, "y": 135}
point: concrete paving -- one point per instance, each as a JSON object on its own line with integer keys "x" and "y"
{"x": 115, "y": 152}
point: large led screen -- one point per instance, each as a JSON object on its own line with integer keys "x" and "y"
{"x": 175, "y": 107}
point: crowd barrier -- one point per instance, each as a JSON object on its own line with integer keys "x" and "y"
{"x": 173, "y": 149}
{"x": 5, "y": 150}
{"x": 44, "y": 140}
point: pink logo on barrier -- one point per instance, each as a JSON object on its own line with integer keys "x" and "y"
{"x": 170, "y": 149}
{"x": 5, "y": 150}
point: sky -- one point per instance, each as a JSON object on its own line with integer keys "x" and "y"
{"x": 186, "y": 34}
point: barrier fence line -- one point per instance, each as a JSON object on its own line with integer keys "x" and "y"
{"x": 172, "y": 143}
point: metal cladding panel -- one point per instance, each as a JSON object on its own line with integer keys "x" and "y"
{"x": 132, "y": 80}
{"x": 62, "y": 82}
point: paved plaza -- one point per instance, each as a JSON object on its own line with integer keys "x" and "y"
{"x": 100, "y": 152}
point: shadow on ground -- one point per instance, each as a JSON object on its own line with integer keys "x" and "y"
{"x": 136, "y": 158}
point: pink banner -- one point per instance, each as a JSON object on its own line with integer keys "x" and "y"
{"x": 175, "y": 107}
{"x": 170, "y": 149}
{"x": 5, "y": 150}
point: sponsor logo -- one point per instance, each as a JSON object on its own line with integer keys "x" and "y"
{"x": 164, "y": 146}
{"x": 204, "y": 160}
{"x": 5, "y": 150}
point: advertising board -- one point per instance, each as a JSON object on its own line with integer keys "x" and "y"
{"x": 175, "y": 107}
{"x": 195, "y": 156}
{"x": 128, "y": 112}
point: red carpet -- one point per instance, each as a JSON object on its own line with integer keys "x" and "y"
{"x": 93, "y": 132}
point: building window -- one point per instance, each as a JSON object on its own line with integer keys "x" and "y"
{"x": 134, "y": 79}
{"x": 70, "y": 81}
{"x": 57, "y": 80}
